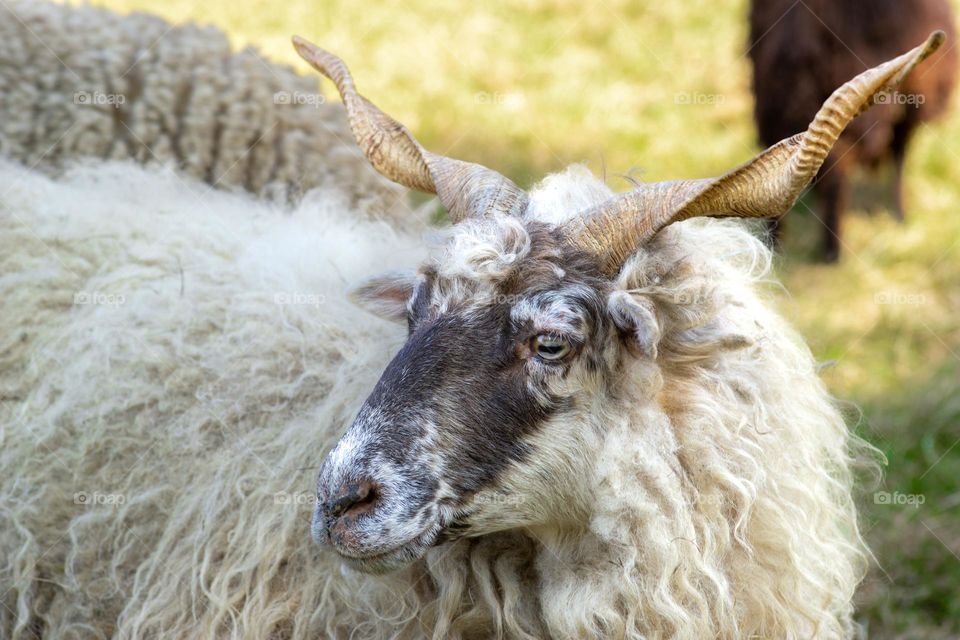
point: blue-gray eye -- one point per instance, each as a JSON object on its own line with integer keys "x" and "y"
{"x": 550, "y": 347}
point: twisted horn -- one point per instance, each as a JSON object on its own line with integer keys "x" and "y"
{"x": 765, "y": 187}
{"x": 465, "y": 189}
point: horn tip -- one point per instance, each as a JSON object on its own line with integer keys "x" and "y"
{"x": 936, "y": 39}
{"x": 299, "y": 42}
{"x": 305, "y": 49}
{"x": 309, "y": 51}
{"x": 320, "y": 59}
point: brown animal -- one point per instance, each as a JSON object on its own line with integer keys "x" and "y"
{"x": 801, "y": 51}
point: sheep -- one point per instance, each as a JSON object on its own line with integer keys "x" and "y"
{"x": 800, "y": 51}
{"x": 87, "y": 82}
{"x": 174, "y": 372}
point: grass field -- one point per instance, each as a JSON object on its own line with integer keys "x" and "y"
{"x": 661, "y": 89}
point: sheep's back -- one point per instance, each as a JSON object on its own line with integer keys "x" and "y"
{"x": 84, "y": 82}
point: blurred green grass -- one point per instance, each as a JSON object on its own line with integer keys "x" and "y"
{"x": 661, "y": 90}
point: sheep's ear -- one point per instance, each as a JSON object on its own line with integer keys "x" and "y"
{"x": 635, "y": 318}
{"x": 385, "y": 295}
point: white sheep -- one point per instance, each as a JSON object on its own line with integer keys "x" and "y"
{"x": 82, "y": 81}
{"x": 174, "y": 370}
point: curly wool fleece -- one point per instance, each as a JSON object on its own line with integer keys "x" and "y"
{"x": 172, "y": 372}
{"x": 82, "y": 81}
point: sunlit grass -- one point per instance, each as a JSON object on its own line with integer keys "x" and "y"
{"x": 662, "y": 89}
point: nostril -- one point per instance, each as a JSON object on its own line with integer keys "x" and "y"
{"x": 354, "y": 498}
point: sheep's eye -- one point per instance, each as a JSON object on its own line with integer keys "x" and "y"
{"x": 550, "y": 347}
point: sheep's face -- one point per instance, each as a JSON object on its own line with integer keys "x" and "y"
{"x": 478, "y": 424}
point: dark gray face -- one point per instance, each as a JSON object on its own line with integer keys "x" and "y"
{"x": 486, "y": 366}
{"x": 464, "y": 371}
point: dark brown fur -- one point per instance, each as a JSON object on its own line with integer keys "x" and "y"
{"x": 803, "y": 51}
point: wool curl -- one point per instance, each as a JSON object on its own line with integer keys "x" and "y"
{"x": 172, "y": 374}
{"x": 79, "y": 81}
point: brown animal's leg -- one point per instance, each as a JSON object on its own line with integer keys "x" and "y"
{"x": 831, "y": 189}
{"x": 898, "y": 147}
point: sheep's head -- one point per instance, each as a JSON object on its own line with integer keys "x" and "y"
{"x": 518, "y": 337}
